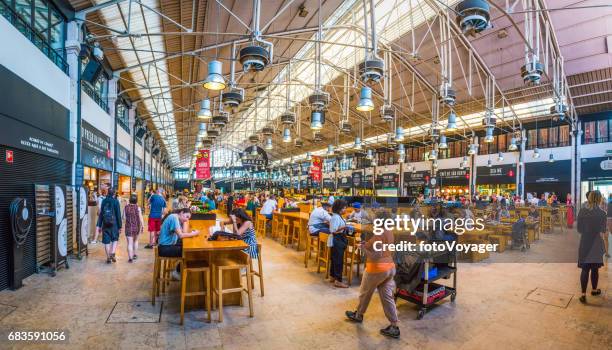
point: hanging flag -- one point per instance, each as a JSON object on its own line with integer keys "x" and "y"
{"x": 203, "y": 165}
{"x": 316, "y": 169}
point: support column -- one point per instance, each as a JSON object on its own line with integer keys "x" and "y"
{"x": 576, "y": 165}
{"x": 112, "y": 104}
{"x": 521, "y": 174}
{"x": 132, "y": 124}
{"x": 472, "y": 166}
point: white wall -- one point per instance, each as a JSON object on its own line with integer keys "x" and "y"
{"x": 124, "y": 139}
{"x": 138, "y": 150}
{"x": 96, "y": 116}
{"x": 595, "y": 150}
{"x": 24, "y": 59}
{"x": 509, "y": 158}
{"x": 560, "y": 153}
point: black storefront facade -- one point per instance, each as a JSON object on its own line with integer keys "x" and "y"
{"x": 95, "y": 158}
{"x": 496, "y": 179}
{"x": 34, "y": 149}
{"x": 596, "y": 174}
{"x": 416, "y": 183}
{"x": 123, "y": 170}
{"x": 555, "y": 177}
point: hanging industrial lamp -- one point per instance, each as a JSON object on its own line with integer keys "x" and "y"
{"x": 202, "y": 132}
{"x": 286, "y": 135}
{"x": 489, "y": 163}
{"x": 330, "y": 150}
{"x": 451, "y": 125}
{"x": 513, "y": 146}
{"x": 500, "y": 157}
{"x": 254, "y": 151}
{"x": 365, "y": 100}
{"x": 308, "y": 156}
{"x": 551, "y": 158}
{"x": 316, "y": 120}
{"x": 489, "y": 135}
{"x": 536, "y": 153}
{"x": 214, "y": 80}
{"x": 401, "y": 150}
{"x": 399, "y": 134}
{"x": 473, "y": 149}
{"x": 443, "y": 144}
{"x": 357, "y": 144}
{"x": 268, "y": 145}
{"x": 433, "y": 155}
{"x": 205, "y": 112}
{"x": 369, "y": 154}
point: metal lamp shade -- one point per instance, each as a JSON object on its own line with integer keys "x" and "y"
{"x": 551, "y": 158}
{"x": 500, "y": 156}
{"x": 512, "y": 146}
{"x": 399, "y": 134}
{"x": 365, "y": 100}
{"x": 286, "y": 135}
{"x": 489, "y": 135}
{"x": 204, "y": 112}
{"x": 316, "y": 120}
{"x": 443, "y": 144}
{"x": 254, "y": 151}
{"x": 330, "y": 150}
{"x": 452, "y": 122}
{"x": 357, "y": 144}
{"x": 268, "y": 145}
{"x": 536, "y": 153}
{"x": 370, "y": 154}
{"x": 214, "y": 80}
{"x": 202, "y": 132}
{"x": 433, "y": 155}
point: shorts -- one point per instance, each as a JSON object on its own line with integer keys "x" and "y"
{"x": 154, "y": 224}
{"x": 109, "y": 236}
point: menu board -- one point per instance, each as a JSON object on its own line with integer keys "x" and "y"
{"x": 345, "y": 182}
{"x": 328, "y": 183}
{"x": 417, "y": 178}
{"x": 357, "y": 180}
{"x": 499, "y": 174}
{"x": 388, "y": 180}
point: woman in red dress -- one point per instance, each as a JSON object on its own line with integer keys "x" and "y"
{"x": 570, "y": 211}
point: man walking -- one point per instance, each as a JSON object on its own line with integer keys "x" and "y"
{"x": 157, "y": 206}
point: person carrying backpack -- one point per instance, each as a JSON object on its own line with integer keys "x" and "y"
{"x": 109, "y": 223}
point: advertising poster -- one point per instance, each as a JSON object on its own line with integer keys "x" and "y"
{"x": 203, "y": 165}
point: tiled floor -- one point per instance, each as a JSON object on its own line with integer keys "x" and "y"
{"x": 301, "y": 311}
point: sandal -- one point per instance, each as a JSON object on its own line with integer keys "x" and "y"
{"x": 596, "y": 291}
{"x": 354, "y": 316}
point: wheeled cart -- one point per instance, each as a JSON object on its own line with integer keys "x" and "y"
{"x": 428, "y": 291}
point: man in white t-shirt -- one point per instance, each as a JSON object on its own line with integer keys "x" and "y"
{"x": 319, "y": 219}
{"x": 268, "y": 207}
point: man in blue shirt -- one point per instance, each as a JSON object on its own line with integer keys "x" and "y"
{"x": 157, "y": 206}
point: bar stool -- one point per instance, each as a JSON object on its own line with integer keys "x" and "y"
{"x": 188, "y": 267}
{"x": 295, "y": 234}
{"x": 323, "y": 253}
{"x": 241, "y": 262}
{"x": 546, "y": 220}
{"x": 350, "y": 258}
{"x": 261, "y": 225}
{"x": 259, "y": 272}
{"x": 162, "y": 269}
{"x": 286, "y": 232}
{"x": 312, "y": 244}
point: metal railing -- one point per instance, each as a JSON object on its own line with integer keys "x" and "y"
{"x": 38, "y": 40}
{"x": 95, "y": 96}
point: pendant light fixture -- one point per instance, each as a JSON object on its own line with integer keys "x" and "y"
{"x": 433, "y": 155}
{"x": 489, "y": 135}
{"x": 205, "y": 112}
{"x": 401, "y": 150}
{"x": 536, "y": 153}
{"x": 316, "y": 120}
{"x": 489, "y": 163}
{"x": 369, "y": 155}
{"x": 451, "y": 124}
{"x": 500, "y": 157}
{"x": 365, "y": 100}
{"x": 202, "y": 132}
{"x": 473, "y": 149}
{"x": 513, "y": 146}
{"x": 357, "y": 145}
{"x": 215, "y": 81}
{"x": 268, "y": 145}
{"x": 461, "y": 165}
{"x": 551, "y": 158}
{"x": 399, "y": 134}
{"x": 443, "y": 144}
{"x": 308, "y": 156}
{"x": 254, "y": 151}
{"x": 373, "y": 163}
{"x": 330, "y": 150}
{"x": 435, "y": 164}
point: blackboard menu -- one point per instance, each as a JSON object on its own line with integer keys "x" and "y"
{"x": 328, "y": 183}
{"x": 368, "y": 181}
{"x": 357, "y": 180}
{"x": 559, "y": 171}
{"x": 499, "y": 174}
{"x": 345, "y": 182}
{"x": 389, "y": 180}
{"x": 417, "y": 178}
{"x": 454, "y": 177}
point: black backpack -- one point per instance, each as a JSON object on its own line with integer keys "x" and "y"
{"x": 108, "y": 215}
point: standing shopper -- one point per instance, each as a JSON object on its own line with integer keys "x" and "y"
{"x": 591, "y": 226}
{"x": 379, "y": 273}
{"x": 338, "y": 242}
{"x": 609, "y": 230}
{"x": 133, "y": 226}
{"x": 157, "y": 206}
{"x": 570, "y": 211}
{"x": 109, "y": 222}
{"x": 99, "y": 200}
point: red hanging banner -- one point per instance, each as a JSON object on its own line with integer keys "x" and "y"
{"x": 316, "y": 169}
{"x": 203, "y": 165}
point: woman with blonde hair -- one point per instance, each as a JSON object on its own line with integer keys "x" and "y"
{"x": 591, "y": 226}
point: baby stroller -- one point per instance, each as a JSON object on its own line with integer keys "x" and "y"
{"x": 519, "y": 235}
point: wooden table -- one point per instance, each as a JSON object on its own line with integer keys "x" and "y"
{"x": 200, "y": 248}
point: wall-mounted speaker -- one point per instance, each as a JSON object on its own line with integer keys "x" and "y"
{"x": 92, "y": 71}
{"x": 139, "y": 131}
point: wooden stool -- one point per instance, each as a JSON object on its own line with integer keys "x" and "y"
{"x": 191, "y": 267}
{"x": 323, "y": 253}
{"x": 312, "y": 244}
{"x": 233, "y": 264}
{"x": 295, "y": 235}
{"x": 259, "y": 272}
{"x": 285, "y": 234}
{"x": 261, "y": 225}
{"x": 350, "y": 258}
{"x": 162, "y": 269}
{"x": 545, "y": 221}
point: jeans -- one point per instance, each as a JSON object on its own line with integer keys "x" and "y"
{"x": 268, "y": 216}
{"x": 337, "y": 257}
{"x": 318, "y": 228}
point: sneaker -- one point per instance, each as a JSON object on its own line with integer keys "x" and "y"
{"x": 135, "y": 257}
{"x": 93, "y": 242}
{"x": 113, "y": 258}
{"x": 596, "y": 292}
{"x": 108, "y": 260}
{"x": 339, "y": 284}
{"x": 175, "y": 275}
{"x": 130, "y": 260}
{"x": 583, "y": 299}
{"x": 353, "y": 316}
{"x": 391, "y": 331}
{"x": 148, "y": 246}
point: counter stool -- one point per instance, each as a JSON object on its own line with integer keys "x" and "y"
{"x": 312, "y": 244}
{"x": 286, "y": 232}
{"x": 295, "y": 235}
{"x": 162, "y": 269}
{"x": 351, "y": 258}
{"x": 545, "y": 221}
{"x": 188, "y": 267}
{"x": 233, "y": 264}
{"x": 259, "y": 272}
{"x": 323, "y": 253}
{"x": 261, "y": 225}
